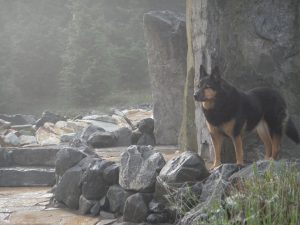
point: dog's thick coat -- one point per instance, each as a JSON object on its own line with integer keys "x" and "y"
{"x": 229, "y": 112}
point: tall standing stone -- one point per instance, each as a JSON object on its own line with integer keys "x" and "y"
{"x": 165, "y": 34}
{"x": 254, "y": 43}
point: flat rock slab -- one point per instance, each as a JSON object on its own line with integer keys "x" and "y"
{"x": 29, "y": 156}
{"x": 26, "y": 176}
{"x": 20, "y": 206}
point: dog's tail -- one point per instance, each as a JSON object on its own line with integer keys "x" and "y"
{"x": 291, "y": 131}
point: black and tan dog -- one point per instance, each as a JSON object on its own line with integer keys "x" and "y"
{"x": 229, "y": 112}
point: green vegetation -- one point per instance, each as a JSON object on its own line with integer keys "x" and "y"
{"x": 273, "y": 198}
{"x": 73, "y": 54}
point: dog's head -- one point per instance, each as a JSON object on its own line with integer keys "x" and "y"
{"x": 208, "y": 85}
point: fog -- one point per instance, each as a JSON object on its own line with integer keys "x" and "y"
{"x": 74, "y": 55}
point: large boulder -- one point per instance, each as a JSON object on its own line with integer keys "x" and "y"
{"x": 165, "y": 34}
{"x": 139, "y": 167}
{"x": 252, "y": 47}
{"x": 68, "y": 190}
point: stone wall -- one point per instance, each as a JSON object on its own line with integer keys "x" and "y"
{"x": 255, "y": 43}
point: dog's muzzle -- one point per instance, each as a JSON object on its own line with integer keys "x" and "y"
{"x": 199, "y": 97}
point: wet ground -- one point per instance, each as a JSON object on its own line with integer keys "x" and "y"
{"x": 28, "y": 206}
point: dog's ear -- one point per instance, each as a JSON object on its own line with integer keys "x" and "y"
{"x": 216, "y": 73}
{"x": 203, "y": 72}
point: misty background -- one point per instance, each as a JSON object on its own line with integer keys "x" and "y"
{"x": 72, "y": 55}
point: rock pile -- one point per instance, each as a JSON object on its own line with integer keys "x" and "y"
{"x": 121, "y": 128}
{"x": 95, "y": 186}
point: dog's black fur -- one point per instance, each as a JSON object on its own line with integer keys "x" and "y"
{"x": 226, "y": 103}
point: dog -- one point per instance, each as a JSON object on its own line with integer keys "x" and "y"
{"x": 230, "y": 112}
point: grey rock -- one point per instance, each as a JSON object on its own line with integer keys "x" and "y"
{"x": 12, "y": 139}
{"x": 146, "y": 126}
{"x": 101, "y": 139}
{"x": 28, "y": 156}
{"x": 95, "y": 208}
{"x": 146, "y": 139}
{"x": 88, "y": 131}
{"x": 49, "y": 117}
{"x": 68, "y": 190}
{"x": 94, "y": 186}
{"x": 85, "y": 205}
{"x": 139, "y": 167}
{"x": 104, "y": 203}
{"x": 107, "y": 215}
{"x": 123, "y": 136}
{"x": 67, "y": 158}
{"x": 117, "y": 196}
{"x": 27, "y": 140}
{"x": 187, "y": 167}
{"x": 165, "y": 34}
{"x": 156, "y": 207}
{"x": 26, "y": 176}
{"x": 106, "y": 222}
{"x": 111, "y": 174}
{"x": 155, "y": 218}
{"x": 65, "y": 138}
{"x": 136, "y": 208}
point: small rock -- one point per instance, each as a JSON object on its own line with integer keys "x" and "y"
{"x": 65, "y": 138}
{"x": 12, "y": 139}
{"x": 101, "y": 139}
{"x": 156, "y": 207}
{"x": 123, "y": 136}
{"x": 104, "y": 203}
{"x": 106, "y": 222}
{"x": 107, "y": 215}
{"x": 158, "y": 218}
{"x": 85, "y": 205}
{"x": 95, "y": 209}
{"x": 117, "y": 196}
{"x": 136, "y": 208}
{"x": 139, "y": 167}
{"x": 146, "y": 126}
{"x": 27, "y": 140}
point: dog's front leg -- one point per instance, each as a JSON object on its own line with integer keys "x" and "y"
{"x": 217, "y": 139}
{"x": 239, "y": 152}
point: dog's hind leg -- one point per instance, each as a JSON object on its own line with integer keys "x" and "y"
{"x": 276, "y": 142}
{"x": 264, "y": 134}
